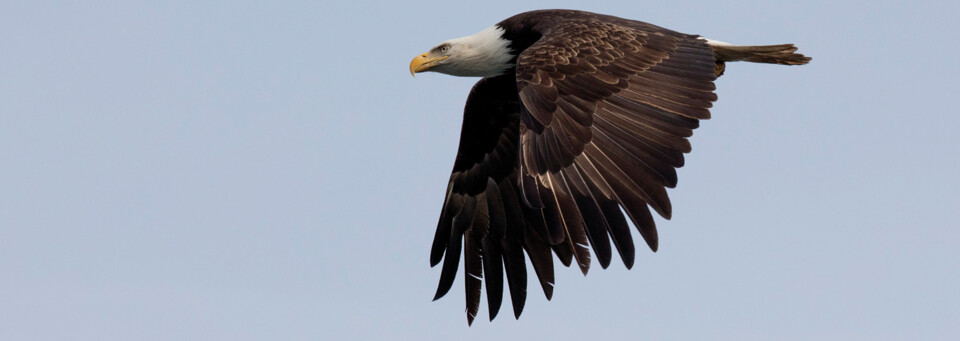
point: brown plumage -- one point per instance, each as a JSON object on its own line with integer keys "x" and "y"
{"x": 594, "y": 117}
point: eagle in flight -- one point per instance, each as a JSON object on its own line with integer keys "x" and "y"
{"x": 578, "y": 115}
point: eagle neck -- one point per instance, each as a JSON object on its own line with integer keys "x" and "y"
{"x": 521, "y": 32}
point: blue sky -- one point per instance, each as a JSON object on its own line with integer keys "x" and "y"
{"x": 238, "y": 170}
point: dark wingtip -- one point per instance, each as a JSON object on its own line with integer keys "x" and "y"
{"x": 440, "y": 293}
{"x": 517, "y": 310}
{"x": 604, "y": 262}
{"x": 470, "y": 319}
{"x": 665, "y": 210}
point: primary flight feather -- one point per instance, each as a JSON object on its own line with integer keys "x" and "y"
{"x": 577, "y": 116}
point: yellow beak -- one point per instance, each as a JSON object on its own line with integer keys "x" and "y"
{"x": 423, "y": 63}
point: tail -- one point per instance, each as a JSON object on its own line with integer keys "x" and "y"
{"x": 784, "y": 54}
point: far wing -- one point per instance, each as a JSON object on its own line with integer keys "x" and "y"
{"x": 482, "y": 210}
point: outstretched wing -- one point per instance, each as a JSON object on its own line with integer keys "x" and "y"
{"x": 607, "y": 106}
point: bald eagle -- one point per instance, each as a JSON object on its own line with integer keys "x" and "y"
{"x": 578, "y": 115}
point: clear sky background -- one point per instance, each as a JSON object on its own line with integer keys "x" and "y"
{"x": 183, "y": 170}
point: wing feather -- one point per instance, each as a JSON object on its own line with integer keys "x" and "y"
{"x": 492, "y": 246}
{"x": 539, "y": 252}
{"x": 472, "y": 259}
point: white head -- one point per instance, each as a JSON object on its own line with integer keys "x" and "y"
{"x": 483, "y": 54}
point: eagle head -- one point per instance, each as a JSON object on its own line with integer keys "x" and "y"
{"x": 484, "y": 54}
